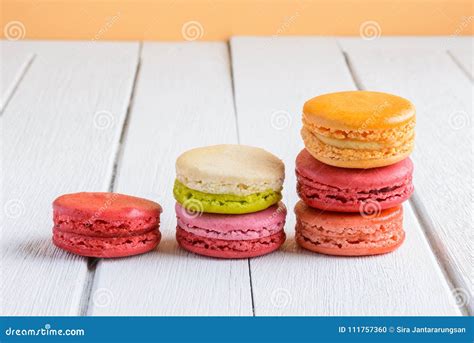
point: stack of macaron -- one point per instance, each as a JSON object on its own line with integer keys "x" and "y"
{"x": 228, "y": 201}
{"x": 354, "y": 173}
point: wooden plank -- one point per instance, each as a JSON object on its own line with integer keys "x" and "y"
{"x": 183, "y": 100}
{"x": 13, "y": 65}
{"x": 458, "y": 47}
{"x": 273, "y": 77}
{"x": 60, "y": 134}
{"x": 443, "y": 151}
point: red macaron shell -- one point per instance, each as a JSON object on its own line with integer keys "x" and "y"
{"x": 347, "y": 190}
{"x": 103, "y": 224}
{"x": 107, "y": 247}
{"x": 105, "y": 205}
{"x": 349, "y": 234}
{"x": 229, "y": 249}
{"x": 233, "y": 227}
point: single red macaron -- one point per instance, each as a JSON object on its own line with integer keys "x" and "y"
{"x": 100, "y": 224}
{"x": 349, "y": 234}
{"x": 352, "y": 190}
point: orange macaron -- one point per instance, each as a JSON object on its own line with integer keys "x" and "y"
{"x": 359, "y": 129}
{"x": 349, "y": 234}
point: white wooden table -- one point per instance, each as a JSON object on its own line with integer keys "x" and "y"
{"x": 83, "y": 116}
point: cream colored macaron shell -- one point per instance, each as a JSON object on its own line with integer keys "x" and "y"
{"x": 230, "y": 169}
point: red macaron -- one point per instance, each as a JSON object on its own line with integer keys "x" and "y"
{"x": 103, "y": 224}
{"x": 352, "y": 190}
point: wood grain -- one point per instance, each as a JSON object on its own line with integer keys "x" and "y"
{"x": 183, "y": 100}
{"x": 443, "y": 152}
{"x": 60, "y": 132}
{"x": 273, "y": 77}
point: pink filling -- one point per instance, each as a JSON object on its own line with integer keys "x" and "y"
{"x": 233, "y": 227}
{"x": 241, "y": 234}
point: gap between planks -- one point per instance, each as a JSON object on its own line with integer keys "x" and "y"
{"x": 457, "y": 62}
{"x": 10, "y": 92}
{"x": 415, "y": 203}
{"x": 92, "y": 262}
{"x": 236, "y": 116}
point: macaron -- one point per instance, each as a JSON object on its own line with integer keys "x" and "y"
{"x": 228, "y": 179}
{"x": 100, "y": 224}
{"x": 351, "y": 190}
{"x": 359, "y": 129}
{"x": 231, "y": 236}
{"x": 349, "y": 234}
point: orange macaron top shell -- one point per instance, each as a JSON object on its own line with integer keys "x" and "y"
{"x": 358, "y": 110}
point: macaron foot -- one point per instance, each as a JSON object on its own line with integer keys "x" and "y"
{"x": 359, "y": 249}
{"x": 106, "y": 247}
{"x": 229, "y": 249}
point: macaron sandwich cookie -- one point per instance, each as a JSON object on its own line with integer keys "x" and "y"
{"x": 349, "y": 234}
{"x": 354, "y": 173}
{"x": 350, "y": 190}
{"x": 358, "y": 129}
{"x": 228, "y": 201}
{"x": 105, "y": 224}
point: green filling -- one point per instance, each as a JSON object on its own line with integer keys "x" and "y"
{"x": 197, "y": 201}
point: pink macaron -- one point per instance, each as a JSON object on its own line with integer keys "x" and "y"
{"x": 231, "y": 236}
{"x": 352, "y": 190}
{"x": 105, "y": 224}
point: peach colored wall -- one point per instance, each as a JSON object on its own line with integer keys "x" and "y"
{"x": 219, "y": 19}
